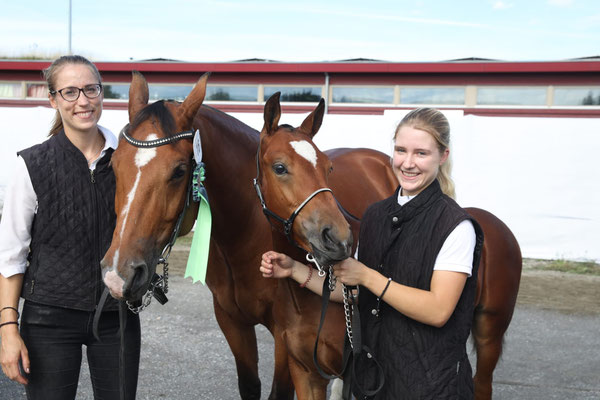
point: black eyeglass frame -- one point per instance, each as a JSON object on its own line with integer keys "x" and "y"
{"x": 79, "y": 91}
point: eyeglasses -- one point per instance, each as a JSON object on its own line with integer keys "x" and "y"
{"x": 71, "y": 93}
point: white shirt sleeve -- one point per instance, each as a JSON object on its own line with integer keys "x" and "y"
{"x": 20, "y": 205}
{"x": 456, "y": 253}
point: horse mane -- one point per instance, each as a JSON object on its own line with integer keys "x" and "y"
{"x": 228, "y": 122}
{"x": 157, "y": 111}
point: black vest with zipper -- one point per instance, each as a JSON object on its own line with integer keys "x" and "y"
{"x": 402, "y": 242}
{"x": 72, "y": 227}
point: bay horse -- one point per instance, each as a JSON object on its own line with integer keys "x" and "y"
{"x": 293, "y": 167}
{"x": 150, "y": 195}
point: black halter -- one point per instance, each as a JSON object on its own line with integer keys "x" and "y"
{"x": 353, "y": 346}
{"x": 287, "y": 223}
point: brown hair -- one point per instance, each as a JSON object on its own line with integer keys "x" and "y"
{"x": 50, "y": 75}
{"x": 435, "y": 123}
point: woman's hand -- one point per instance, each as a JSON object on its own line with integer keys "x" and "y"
{"x": 13, "y": 349}
{"x": 276, "y": 265}
{"x": 351, "y": 272}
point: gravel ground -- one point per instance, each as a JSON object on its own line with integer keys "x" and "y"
{"x": 552, "y": 350}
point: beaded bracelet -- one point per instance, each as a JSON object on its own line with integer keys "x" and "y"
{"x": 310, "y": 270}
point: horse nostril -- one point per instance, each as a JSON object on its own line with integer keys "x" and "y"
{"x": 326, "y": 235}
{"x": 333, "y": 243}
{"x": 139, "y": 279}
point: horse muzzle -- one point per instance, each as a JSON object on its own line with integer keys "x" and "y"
{"x": 131, "y": 284}
{"x": 328, "y": 248}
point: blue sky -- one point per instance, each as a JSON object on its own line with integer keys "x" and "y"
{"x": 304, "y": 31}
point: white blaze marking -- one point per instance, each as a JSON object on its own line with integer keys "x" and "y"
{"x": 115, "y": 261}
{"x": 142, "y": 157}
{"x": 306, "y": 150}
{"x": 130, "y": 197}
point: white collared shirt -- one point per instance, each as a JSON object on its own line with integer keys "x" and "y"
{"x": 457, "y": 251}
{"x": 20, "y": 206}
{"x": 456, "y": 254}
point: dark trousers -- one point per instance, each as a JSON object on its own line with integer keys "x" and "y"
{"x": 54, "y": 337}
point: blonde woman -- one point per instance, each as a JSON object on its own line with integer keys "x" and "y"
{"x": 416, "y": 268}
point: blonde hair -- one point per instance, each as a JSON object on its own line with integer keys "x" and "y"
{"x": 51, "y": 73}
{"x": 435, "y": 123}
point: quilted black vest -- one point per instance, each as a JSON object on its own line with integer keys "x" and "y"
{"x": 72, "y": 228}
{"x": 402, "y": 242}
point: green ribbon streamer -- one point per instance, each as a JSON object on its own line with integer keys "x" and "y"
{"x": 198, "y": 258}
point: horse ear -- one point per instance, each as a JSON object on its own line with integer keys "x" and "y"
{"x": 272, "y": 114}
{"x": 313, "y": 122}
{"x": 193, "y": 101}
{"x": 138, "y": 94}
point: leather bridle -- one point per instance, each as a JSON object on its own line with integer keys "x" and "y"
{"x": 287, "y": 223}
{"x": 159, "y": 285}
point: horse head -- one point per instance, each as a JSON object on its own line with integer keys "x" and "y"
{"x": 293, "y": 177}
{"x": 151, "y": 187}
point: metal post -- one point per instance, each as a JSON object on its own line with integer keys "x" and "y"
{"x": 70, "y": 4}
{"x": 326, "y": 92}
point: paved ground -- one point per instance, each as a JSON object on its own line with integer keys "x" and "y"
{"x": 548, "y": 354}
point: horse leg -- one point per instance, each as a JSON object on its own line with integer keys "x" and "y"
{"x": 309, "y": 385}
{"x": 242, "y": 342}
{"x": 488, "y": 333}
{"x": 282, "y": 387}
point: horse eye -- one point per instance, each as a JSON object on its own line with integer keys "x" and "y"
{"x": 280, "y": 169}
{"x": 178, "y": 173}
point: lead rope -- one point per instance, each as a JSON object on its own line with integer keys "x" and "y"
{"x": 331, "y": 286}
{"x": 122, "y": 326}
{"x": 353, "y": 337}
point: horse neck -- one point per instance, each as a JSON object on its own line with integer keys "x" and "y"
{"x": 229, "y": 151}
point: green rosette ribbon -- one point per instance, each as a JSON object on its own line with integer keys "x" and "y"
{"x": 198, "y": 258}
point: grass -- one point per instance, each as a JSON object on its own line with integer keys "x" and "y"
{"x": 37, "y": 56}
{"x": 573, "y": 267}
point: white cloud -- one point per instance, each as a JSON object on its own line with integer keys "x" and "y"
{"x": 594, "y": 18}
{"x": 561, "y": 3}
{"x": 501, "y": 5}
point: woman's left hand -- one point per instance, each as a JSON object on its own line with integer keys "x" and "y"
{"x": 350, "y": 272}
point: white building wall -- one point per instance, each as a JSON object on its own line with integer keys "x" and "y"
{"x": 539, "y": 175}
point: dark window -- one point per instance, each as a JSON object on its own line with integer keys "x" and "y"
{"x": 231, "y": 93}
{"x": 413, "y": 95}
{"x": 310, "y": 94}
{"x": 511, "y": 96}
{"x": 375, "y": 95}
{"x": 577, "y": 96}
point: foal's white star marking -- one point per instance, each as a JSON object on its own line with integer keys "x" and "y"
{"x": 306, "y": 150}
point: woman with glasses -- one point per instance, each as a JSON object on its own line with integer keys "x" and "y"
{"x": 57, "y": 223}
